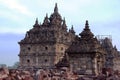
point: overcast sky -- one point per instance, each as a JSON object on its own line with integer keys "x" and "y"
{"x": 18, "y": 16}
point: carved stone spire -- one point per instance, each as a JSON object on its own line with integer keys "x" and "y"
{"x": 46, "y": 20}
{"x": 86, "y": 33}
{"x": 64, "y": 22}
{"x": 46, "y": 15}
{"x": 36, "y": 23}
{"x": 64, "y": 26}
{"x": 55, "y": 18}
{"x": 56, "y": 8}
{"x": 115, "y": 48}
{"x": 72, "y": 30}
{"x": 86, "y": 25}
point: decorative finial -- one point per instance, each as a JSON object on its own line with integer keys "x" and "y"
{"x": 86, "y": 25}
{"x": 46, "y": 20}
{"x": 72, "y": 28}
{"x": 46, "y": 15}
{"x": 64, "y": 22}
{"x": 56, "y": 8}
{"x": 87, "y": 22}
{"x": 36, "y": 22}
{"x": 115, "y": 47}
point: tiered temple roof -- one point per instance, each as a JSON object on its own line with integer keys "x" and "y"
{"x": 52, "y": 30}
{"x": 86, "y": 43}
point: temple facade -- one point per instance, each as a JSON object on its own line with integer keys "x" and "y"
{"x": 86, "y": 53}
{"x": 52, "y": 45}
{"x": 45, "y": 44}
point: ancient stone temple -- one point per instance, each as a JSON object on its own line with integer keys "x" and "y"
{"x": 113, "y": 55}
{"x": 45, "y": 44}
{"x": 52, "y": 45}
{"x": 86, "y": 53}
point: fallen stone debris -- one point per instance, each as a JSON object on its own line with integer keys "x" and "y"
{"x": 53, "y": 74}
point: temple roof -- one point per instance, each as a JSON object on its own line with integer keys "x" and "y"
{"x": 86, "y": 33}
{"x": 36, "y": 23}
{"x": 86, "y": 43}
{"x": 52, "y": 30}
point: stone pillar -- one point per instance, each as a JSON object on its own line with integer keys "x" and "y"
{"x": 95, "y": 69}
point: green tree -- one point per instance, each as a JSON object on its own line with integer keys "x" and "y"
{"x": 16, "y": 65}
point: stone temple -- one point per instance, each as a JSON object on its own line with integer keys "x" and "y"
{"x": 52, "y": 45}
